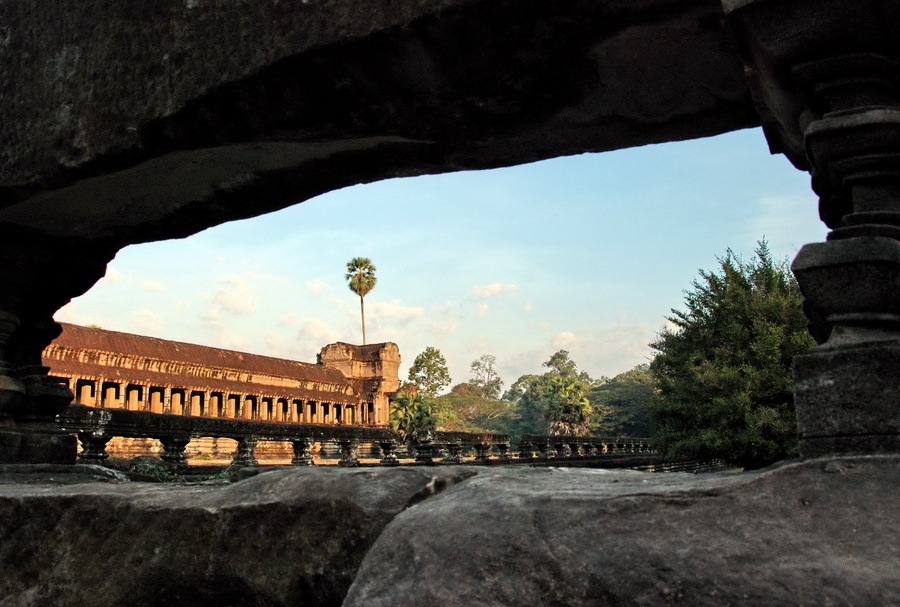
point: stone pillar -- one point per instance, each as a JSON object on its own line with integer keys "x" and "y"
{"x": 245, "y": 455}
{"x": 454, "y": 453}
{"x": 389, "y": 453}
{"x": 525, "y": 449}
{"x": 173, "y": 450}
{"x": 302, "y": 451}
{"x": 132, "y": 393}
{"x": 348, "y": 452}
{"x": 828, "y": 96}
{"x": 112, "y": 394}
{"x": 482, "y": 453}
{"x": 93, "y": 447}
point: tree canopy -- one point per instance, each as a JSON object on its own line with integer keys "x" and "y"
{"x": 485, "y": 376}
{"x": 411, "y": 414}
{"x": 361, "y": 280}
{"x": 429, "y": 372}
{"x": 554, "y": 402}
{"x": 724, "y": 370}
{"x": 622, "y": 404}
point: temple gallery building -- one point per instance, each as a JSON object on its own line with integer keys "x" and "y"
{"x": 348, "y": 385}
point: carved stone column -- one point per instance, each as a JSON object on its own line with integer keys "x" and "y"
{"x": 454, "y": 453}
{"x": 173, "y": 450}
{"x": 525, "y": 449}
{"x": 389, "y": 453}
{"x": 302, "y": 452}
{"x": 93, "y": 447}
{"x": 38, "y": 275}
{"x": 245, "y": 455}
{"x": 824, "y": 76}
{"x": 482, "y": 453}
{"x": 348, "y": 452}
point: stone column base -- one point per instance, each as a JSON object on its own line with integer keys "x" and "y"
{"x": 848, "y": 399}
{"x": 36, "y": 446}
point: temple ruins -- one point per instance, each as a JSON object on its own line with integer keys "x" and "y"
{"x": 129, "y": 122}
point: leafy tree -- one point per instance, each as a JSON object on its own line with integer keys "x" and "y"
{"x": 724, "y": 371}
{"x": 561, "y": 364}
{"x": 567, "y": 407}
{"x": 622, "y": 404}
{"x": 429, "y": 372}
{"x": 551, "y": 402}
{"x": 464, "y": 409}
{"x": 411, "y": 414}
{"x": 361, "y": 277}
{"x": 485, "y": 377}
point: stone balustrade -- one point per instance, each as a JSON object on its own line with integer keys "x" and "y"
{"x": 562, "y": 446}
{"x": 95, "y": 427}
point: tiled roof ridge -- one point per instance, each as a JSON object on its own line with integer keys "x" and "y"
{"x": 75, "y": 336}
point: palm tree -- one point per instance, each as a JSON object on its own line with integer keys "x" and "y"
{"x": 361, "y": 274}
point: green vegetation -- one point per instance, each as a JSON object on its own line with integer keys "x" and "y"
{"x": 485, "y": 377}
{"x": 411, "y": 414}
{"x": 361, "y": 277}
{"x": 622, "y": 404}
{"x": 429, "y": 372}
{"x": 157, "y": 471}
{"x": 724, "y": 371}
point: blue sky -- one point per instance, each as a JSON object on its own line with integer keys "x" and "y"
{"x": 586, "y": 253}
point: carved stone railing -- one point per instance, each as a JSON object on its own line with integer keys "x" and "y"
{"x": 451, "y": 447}
{"x": 96, "y": 426}
{"x": 549, "y": 447}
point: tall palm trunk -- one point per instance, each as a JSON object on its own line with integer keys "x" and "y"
{"x": 362, "y": 311}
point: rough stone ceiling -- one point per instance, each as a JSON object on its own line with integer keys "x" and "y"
{"x": 137, "y": 121}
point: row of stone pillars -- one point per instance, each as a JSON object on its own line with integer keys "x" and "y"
{"x": 203, "y": 403}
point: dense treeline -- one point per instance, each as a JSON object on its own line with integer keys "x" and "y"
{"x": 719, "y": 385}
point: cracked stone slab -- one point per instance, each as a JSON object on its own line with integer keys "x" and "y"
{"x": 820, "y": 532}
{"x": 288, "y": 537}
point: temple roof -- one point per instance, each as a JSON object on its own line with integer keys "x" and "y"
{"x": 258, "y": 367}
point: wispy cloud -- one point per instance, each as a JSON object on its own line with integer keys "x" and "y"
{"x": 152, "y": 285}
{"x": 494, "y": 290}
{"x": 317, "y": 286}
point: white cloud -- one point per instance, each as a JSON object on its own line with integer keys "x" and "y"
{"x": 234, "y": 298}
{"x": 317, "y": 286}
{"x": 527, "y": 306}
{"x": 483, "y": 309}
{"x": 442, "y": 328}
{"x": 494, "y": 290}
{"x": 152, "y": 285}
{"x": 565, "y": 340}
{"x": 146, "y": 321}
{"x": 393, "y": 310}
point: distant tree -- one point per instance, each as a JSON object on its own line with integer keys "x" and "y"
{"x": 485, "y": 377}
{"x": 361, "y": 277}
{"x": 464, "y": 409}
{"x": 724, "y": 370}
{"x": 622, "y": 404}
{"x": 567, "y": 408}
{"x": 429, "y": 372}
{"x": 552, "y": 402}
{"x": 411, "y": 414}
{"x": 561, "y": 364}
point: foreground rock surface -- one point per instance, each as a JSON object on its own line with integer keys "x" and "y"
{"x": 290, "y": 537}
{"x": 822, "y": 532}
